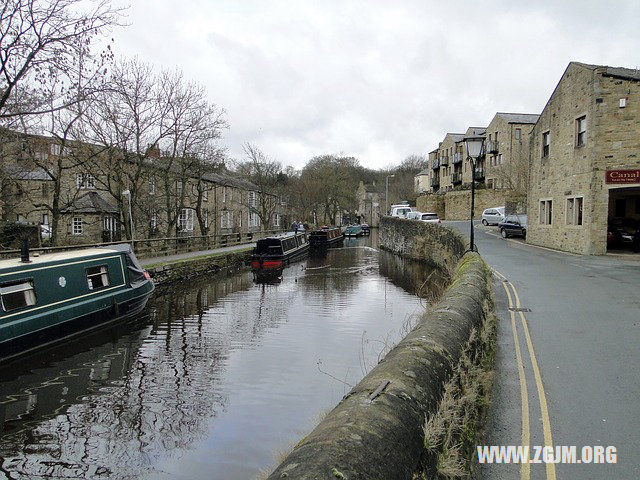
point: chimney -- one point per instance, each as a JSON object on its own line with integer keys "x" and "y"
{"x": 24, "y": 251}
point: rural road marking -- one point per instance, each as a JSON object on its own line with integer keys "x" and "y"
{"x": 546, "y": 422}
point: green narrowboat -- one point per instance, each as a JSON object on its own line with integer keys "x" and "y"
{"x": 47, "y": 298}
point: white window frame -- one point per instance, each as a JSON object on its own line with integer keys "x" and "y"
{"x": 185, "y": 220}
{"x": 85, "y": 181}
{"x": 253, "y": 199}
{"x": 518, "y": 133}
{"x": 546, "y": 142}
{"x": 205, "y": 192}
{"x": 54, "y": 148}
{"x": 153, "y": 220}
{"x": 28, "y": 293}
{"x": 276, "y": 219}
{"x": 574, "y": 211}
{"x": 254, "y": 219}
{"x": 152, "y": 185}
{"x": 581, "y": 130}
{"x": 226, "y": 219}
{"x": 546, "y": 211}
{"x": 76, "y": 226}
{"x": 110, "y": 223}
{"x": 205, "y": 217}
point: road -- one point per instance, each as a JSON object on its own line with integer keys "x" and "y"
{"x": 567, "y": 370}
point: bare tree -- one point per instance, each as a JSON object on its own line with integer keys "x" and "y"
{"x": 193, "y": 125}
{"x": 124, "y": 126}
{"x": 40, "y": 39}
{"x": 268, "y": 176}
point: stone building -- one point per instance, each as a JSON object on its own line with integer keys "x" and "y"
{"x": 585, "y": 160}
{"x": 421, "y": 181}
{"x": 370, "y": 199}
{"x": 170, "y": 197}
{"x": 507, "y": 150}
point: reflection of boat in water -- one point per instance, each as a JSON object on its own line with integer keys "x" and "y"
{"x": 326, "y": 237}
{"x": 54, "y": 296}
{"x": 274, "y": 253}
{"x": 268, "y": 277}
{"x": 353, "y": 231}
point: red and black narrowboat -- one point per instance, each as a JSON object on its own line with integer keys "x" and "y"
{"x": 274, "y": 253}
{"x": 326, "y": 237}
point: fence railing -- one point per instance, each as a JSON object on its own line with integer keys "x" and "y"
{"x": 157, "y": 247}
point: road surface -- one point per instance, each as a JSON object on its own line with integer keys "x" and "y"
{"x": 568, "y": 370}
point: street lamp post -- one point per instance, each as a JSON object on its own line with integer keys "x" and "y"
{"x": 386, "y": 194}
{"x": 127, "y": 194}
{"x": 475, "y": 147}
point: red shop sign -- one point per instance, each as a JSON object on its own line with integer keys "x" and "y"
{"x": 622, "y": 176}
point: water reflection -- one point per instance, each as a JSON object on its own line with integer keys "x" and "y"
{"x": 220, "y": 374}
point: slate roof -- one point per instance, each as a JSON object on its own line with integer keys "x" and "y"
{"x": 529, "y": 118}
{"x": 16, "y": 172}
{"x": 617, "y": 72}
{"x": 91, "y": 202}
{"x": 423, "y": 172}
{"x": 230, "y": 181}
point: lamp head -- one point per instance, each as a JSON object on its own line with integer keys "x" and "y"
{"x": 474, "y": 145}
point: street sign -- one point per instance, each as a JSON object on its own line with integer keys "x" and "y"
{"x": 622, "y": 176}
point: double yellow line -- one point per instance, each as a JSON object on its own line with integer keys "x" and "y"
{"x": 525, "y": 467}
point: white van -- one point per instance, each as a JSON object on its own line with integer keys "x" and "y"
{"x": 400, "y": 210}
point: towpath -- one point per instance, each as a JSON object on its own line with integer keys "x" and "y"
{"x": 568, "y": 358}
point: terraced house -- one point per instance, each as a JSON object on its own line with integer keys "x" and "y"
{"x": 82, "y": 194}
{"x": 585, "y": 160}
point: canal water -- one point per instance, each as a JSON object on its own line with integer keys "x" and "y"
{"x": 216, "y": 379}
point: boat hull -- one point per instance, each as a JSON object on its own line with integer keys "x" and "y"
{"x": 122, "y": 307}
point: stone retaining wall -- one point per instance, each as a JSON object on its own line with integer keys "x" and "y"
{"x": 376, "y": 431}
{"x": 457, "y": 204}
{"x": 428, "y": 242}
{"x": 193, "y": 267}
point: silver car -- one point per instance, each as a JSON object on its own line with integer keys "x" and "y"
{"x": 493, "y": 216}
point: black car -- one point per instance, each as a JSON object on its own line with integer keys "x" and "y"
{"x": 513, "y": 226}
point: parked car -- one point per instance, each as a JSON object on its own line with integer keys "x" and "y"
{"x": 493, "y": 216}
{"x": 621, "y": 232}
{"x": 400, "y": 210}
{"x": 430, "y": 217}
{"x": 413, "y": 215}
{"x": 513, "y": 226}
{"x": 366, "y": 230}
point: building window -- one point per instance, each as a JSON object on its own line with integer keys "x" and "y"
{"x": 518, "y": 133}
{"x": 54, "y": 149}
{"x": 85, "y": 181}
{"x": 153, "y": 221}
{"x": 574, "y": 211}
{"x": 546, "y": 212}
{"x": 205, "y": 192}
{"x": 205, "y": 218}
{"x": 500, "y": 159}
{"x": 226, "y": 219}
{"x": 17, "y": 295}
{"x": 45, "y": 219}
{"x": 185, "y": 220}
{"x": 546, "y": 141}
{"x": 254, "y": 219}
{"x": 224, "y": 194}
{"x": 45, "y": 189}
{"x": 97, "y": 277}
{"x": 581, "y": 130}
{"x": 76, "y": 225}
{"x": 179, "y": 186}
{"x": 152, "y": 185}
{"x": 253, "y": 199}
{"x": 276, "y": 220}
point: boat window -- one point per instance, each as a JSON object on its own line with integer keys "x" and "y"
{"x": 97, "y": 277}
{"x": 17, "y": 295}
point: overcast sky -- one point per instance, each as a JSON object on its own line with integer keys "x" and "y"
{"x": 378, "y": 80}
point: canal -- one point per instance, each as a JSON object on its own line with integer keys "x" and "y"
{"x": 216, "y": 379}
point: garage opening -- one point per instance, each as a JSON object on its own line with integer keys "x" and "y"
{"x": 623, "y": 232}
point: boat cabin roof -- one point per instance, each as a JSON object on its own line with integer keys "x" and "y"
{"x": 47, "y": 258}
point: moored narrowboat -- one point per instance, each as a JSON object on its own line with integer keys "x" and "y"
{"x": 274, "y": 253}
{"x": 326, "y": 237}
{"x": 47, "y": 298}
{"x": 353, "y": 231}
